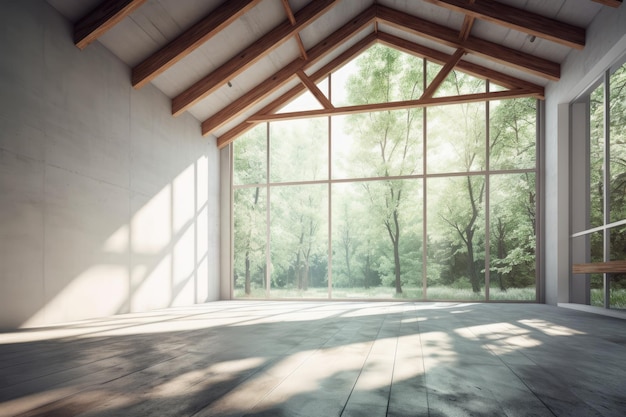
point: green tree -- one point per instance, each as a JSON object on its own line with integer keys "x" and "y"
{"x": 389, "y": 141}
{"x": 249, "y": 208}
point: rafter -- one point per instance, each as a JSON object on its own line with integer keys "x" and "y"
{"x": 189, "y": 40}
{"x": 292, "y": 19}
{"x": 468, "y": 23}
{"x": 443, "y": 73}
{"x": 319, "y": 75}
{"x": 249, "y": 55}
{"x": 516, "y": 85}
{"x": 495, "y": 52}
{"x": 395, "y": 105}
{"x": 465, "y": 66}
{"x": 317, "y": 93}
{"x": 102, "y": 18}
{"x": 520, "y": 20}
{"x": 272, "y": 83}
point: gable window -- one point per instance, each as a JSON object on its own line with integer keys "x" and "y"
{"x": 418, "y": 202}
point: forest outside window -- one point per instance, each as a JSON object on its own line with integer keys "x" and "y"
{"x": 436, "y": 203}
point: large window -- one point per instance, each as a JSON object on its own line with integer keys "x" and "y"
{"x": 599, "y": 172}
{"x": 435, "y": 203}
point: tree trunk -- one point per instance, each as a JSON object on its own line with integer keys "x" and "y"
{"x": 247, "y": 284}
{"x": 501, "y": 250}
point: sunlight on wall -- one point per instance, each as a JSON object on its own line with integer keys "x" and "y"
{"x": 151, "y": 229}
{"x": 158, "y": 259}
{"x": 98, "y": 291}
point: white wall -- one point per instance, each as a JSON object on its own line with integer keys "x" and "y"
{"x": 606, "y": 42}
{"x": 108, "y": 204}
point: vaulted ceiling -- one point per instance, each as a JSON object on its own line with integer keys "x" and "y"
{"x": 234, "y": 63}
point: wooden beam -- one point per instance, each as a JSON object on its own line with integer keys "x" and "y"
{"x": 102, "y": 18}
{"x": 275, "y": 81}
{"x": 520, "y": 20}
{"x": 292, "y": 19}
{"x": 466, "y": 28}
{"x": 610, "y": 267}
{"x": 495, "y": 52}
{"x": 443, "y": 73}
{"x": 323, "y": 100}
{"x": 189, "y": 40}
{"x": 248, "y": 56}
{"x": 611, "y": 3}
{"x": 319, "y": 75}
{"x": 467, "y": 67}
{"x": 394, "y": 105}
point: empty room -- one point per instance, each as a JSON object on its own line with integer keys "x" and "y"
{"x": 313, "y": 208}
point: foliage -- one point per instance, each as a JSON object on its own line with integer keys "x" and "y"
{"x": 378, "y": 245}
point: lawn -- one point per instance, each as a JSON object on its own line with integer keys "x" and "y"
{"x": 408, "y": 293}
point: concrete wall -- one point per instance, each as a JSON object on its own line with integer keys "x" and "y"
{"x": 108, "y": 204}
{"x": 606, "y": 42}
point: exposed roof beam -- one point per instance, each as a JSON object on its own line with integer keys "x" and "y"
{"x": 612, "y": 3}
{"x": 465, "y": 66}
{"x": 292, "y": 19}
{"x": 468, "y": 22}
{"x": 507, "y": 56}
{"x": 519, "y": 19}
{"x": 317, "y": 93}
{"x": 272, "y": 83}
{"x": 249, "y": 55}
{"x": 443, "y": 73}
{"x": 102, "y": 18}
{"x": 395, "y": 105}
{"x": 466, "y": 29}
{"x": 504, "y": 80}
{"x": 189, "y": 40}
{"x": 320, "y": 74}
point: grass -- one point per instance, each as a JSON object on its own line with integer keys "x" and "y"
{"x": 408, "y": 293}
{"x": 618, "y": 298}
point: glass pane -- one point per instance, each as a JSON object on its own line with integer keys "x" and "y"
{"x": 596, "y": 282}
{"x": 456, "y": 138}
{"x": 377, "y": 144}
{"x": 512, "y": 219}
{"x": 250, "y": 156}
{"x": 379, "y": 75}
{"x": 618, "y": 292}
{"x": 617, "y": 149}
{"x": 617, "y": 243}
{"x": 299, "y": 241}
{"x": 458, "y": 83}
{"x": 456, "y": 238}
{"x": 305, "y": 101}
{"x": 299, "y": 150}
{"x": 377, "y": 239}
{"x": 596, "y": 157}
{"x": 596, "y": 254}
{"x": 249, "y": 242}
{"x": 513, "y": 132}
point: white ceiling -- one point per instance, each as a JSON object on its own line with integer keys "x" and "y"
{"x": 158, "y": 22}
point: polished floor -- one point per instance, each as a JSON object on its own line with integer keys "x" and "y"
{"x": 244, "y": 358}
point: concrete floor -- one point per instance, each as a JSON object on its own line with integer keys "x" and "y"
{"x": 242, "y": 358}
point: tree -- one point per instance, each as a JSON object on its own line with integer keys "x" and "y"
{"x": 249, "y": 207}
{"x": 388, "y": 142}
{"x": 298, "y": 212}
